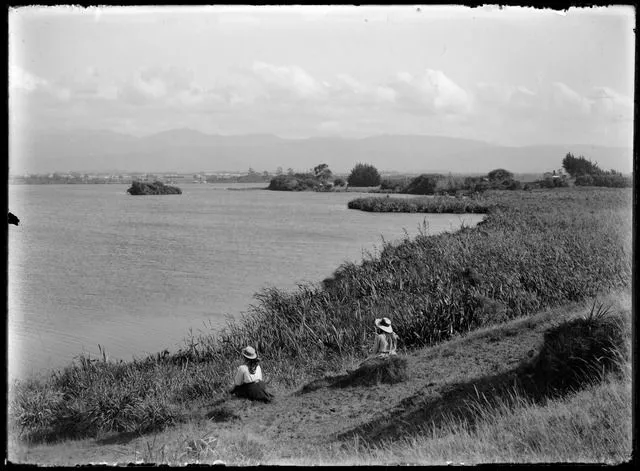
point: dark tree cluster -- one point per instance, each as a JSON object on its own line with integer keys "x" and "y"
{"x": 155, "y": 188}
{"x": 364, "y": 175}
{"x": 424, "y": 184}
{"x": 578, "y": 166}
{"x": 587, "y": 173}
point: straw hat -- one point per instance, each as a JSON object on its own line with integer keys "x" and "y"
{"x": 384, "y": 324}
{"x": 249, "y": 353}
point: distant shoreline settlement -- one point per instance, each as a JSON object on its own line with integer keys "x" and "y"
{"x": 128, "y": 178}
{"x": 178, "y": 178}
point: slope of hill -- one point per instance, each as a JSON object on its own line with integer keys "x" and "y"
{"x": 187, "y": 150}
{"x": 444, "y": 383}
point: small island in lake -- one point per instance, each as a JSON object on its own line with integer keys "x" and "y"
{"x": 155, "y": 188}
{"x": 320, "y": 180}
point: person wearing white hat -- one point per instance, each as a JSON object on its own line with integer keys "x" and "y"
{"x": 248, "y": 380}
{"x": 386, "y": 340}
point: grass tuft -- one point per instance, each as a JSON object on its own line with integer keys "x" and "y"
{"x": 373, "y": 371}
{"x": 585, "y": 348}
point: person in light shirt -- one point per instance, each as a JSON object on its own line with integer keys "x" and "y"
{"x": 248, "y": 381}
{"x": 386, "y": 340}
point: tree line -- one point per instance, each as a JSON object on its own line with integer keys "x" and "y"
{"x": 587, "y": 173}
{"x": 367, "y": 175}
{"x": 583, "y": 172}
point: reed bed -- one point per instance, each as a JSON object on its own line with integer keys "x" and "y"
{"x": 436, "y": 204}
{"x": 534, "y": 250}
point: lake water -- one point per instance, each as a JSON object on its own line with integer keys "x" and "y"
{"x": 91, "y": 265}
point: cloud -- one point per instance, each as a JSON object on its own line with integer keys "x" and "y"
{"x": 347, "y": 89}
{"x": 150, "y": 84}
{"x": 290, "y": 87}
{"x": 500, "y": 95}
{"x": 566, "y": 100}
{"x": 554, "y": 112}
{"x": 22, "y": 82}
{"x": 430, "y": 92}
{"x": 290, "y": 81}
{"x": 171, "y": 88}
{"x": 288, "y": 100}
{"x": 552, "y": 101}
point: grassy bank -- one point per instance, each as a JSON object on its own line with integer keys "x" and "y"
{"x": 589, "y": 426}
{"x": 533, "y": 251}
{"x": 482, "y": 397}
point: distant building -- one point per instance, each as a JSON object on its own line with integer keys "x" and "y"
{"x": 555, "y": 175}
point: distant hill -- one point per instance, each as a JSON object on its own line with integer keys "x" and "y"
{"x": 187, "y": 150}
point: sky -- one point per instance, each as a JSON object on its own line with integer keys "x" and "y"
{"x": 510, "y": 76}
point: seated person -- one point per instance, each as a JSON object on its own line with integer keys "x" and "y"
{"x": 248, "y": 380}
{"x": 386, "y": 340}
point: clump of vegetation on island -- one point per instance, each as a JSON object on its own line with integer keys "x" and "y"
{"x": 321, "y": 179}
{"x": 534, "y": 250}
{"x": 155, "y": 188}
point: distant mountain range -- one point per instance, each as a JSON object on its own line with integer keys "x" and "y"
{"x": 186, "y": 151}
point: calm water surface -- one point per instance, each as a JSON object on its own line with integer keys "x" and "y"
{"x": 90, "y": 265}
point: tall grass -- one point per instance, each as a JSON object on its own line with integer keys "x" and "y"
{"x": 534, "y": 250}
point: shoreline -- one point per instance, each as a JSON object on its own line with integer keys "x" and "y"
{"x": 94, "y": 355}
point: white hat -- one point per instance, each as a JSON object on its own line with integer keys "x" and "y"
{"x": 250, "y": 353}
{"x": 384, "y": 324}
